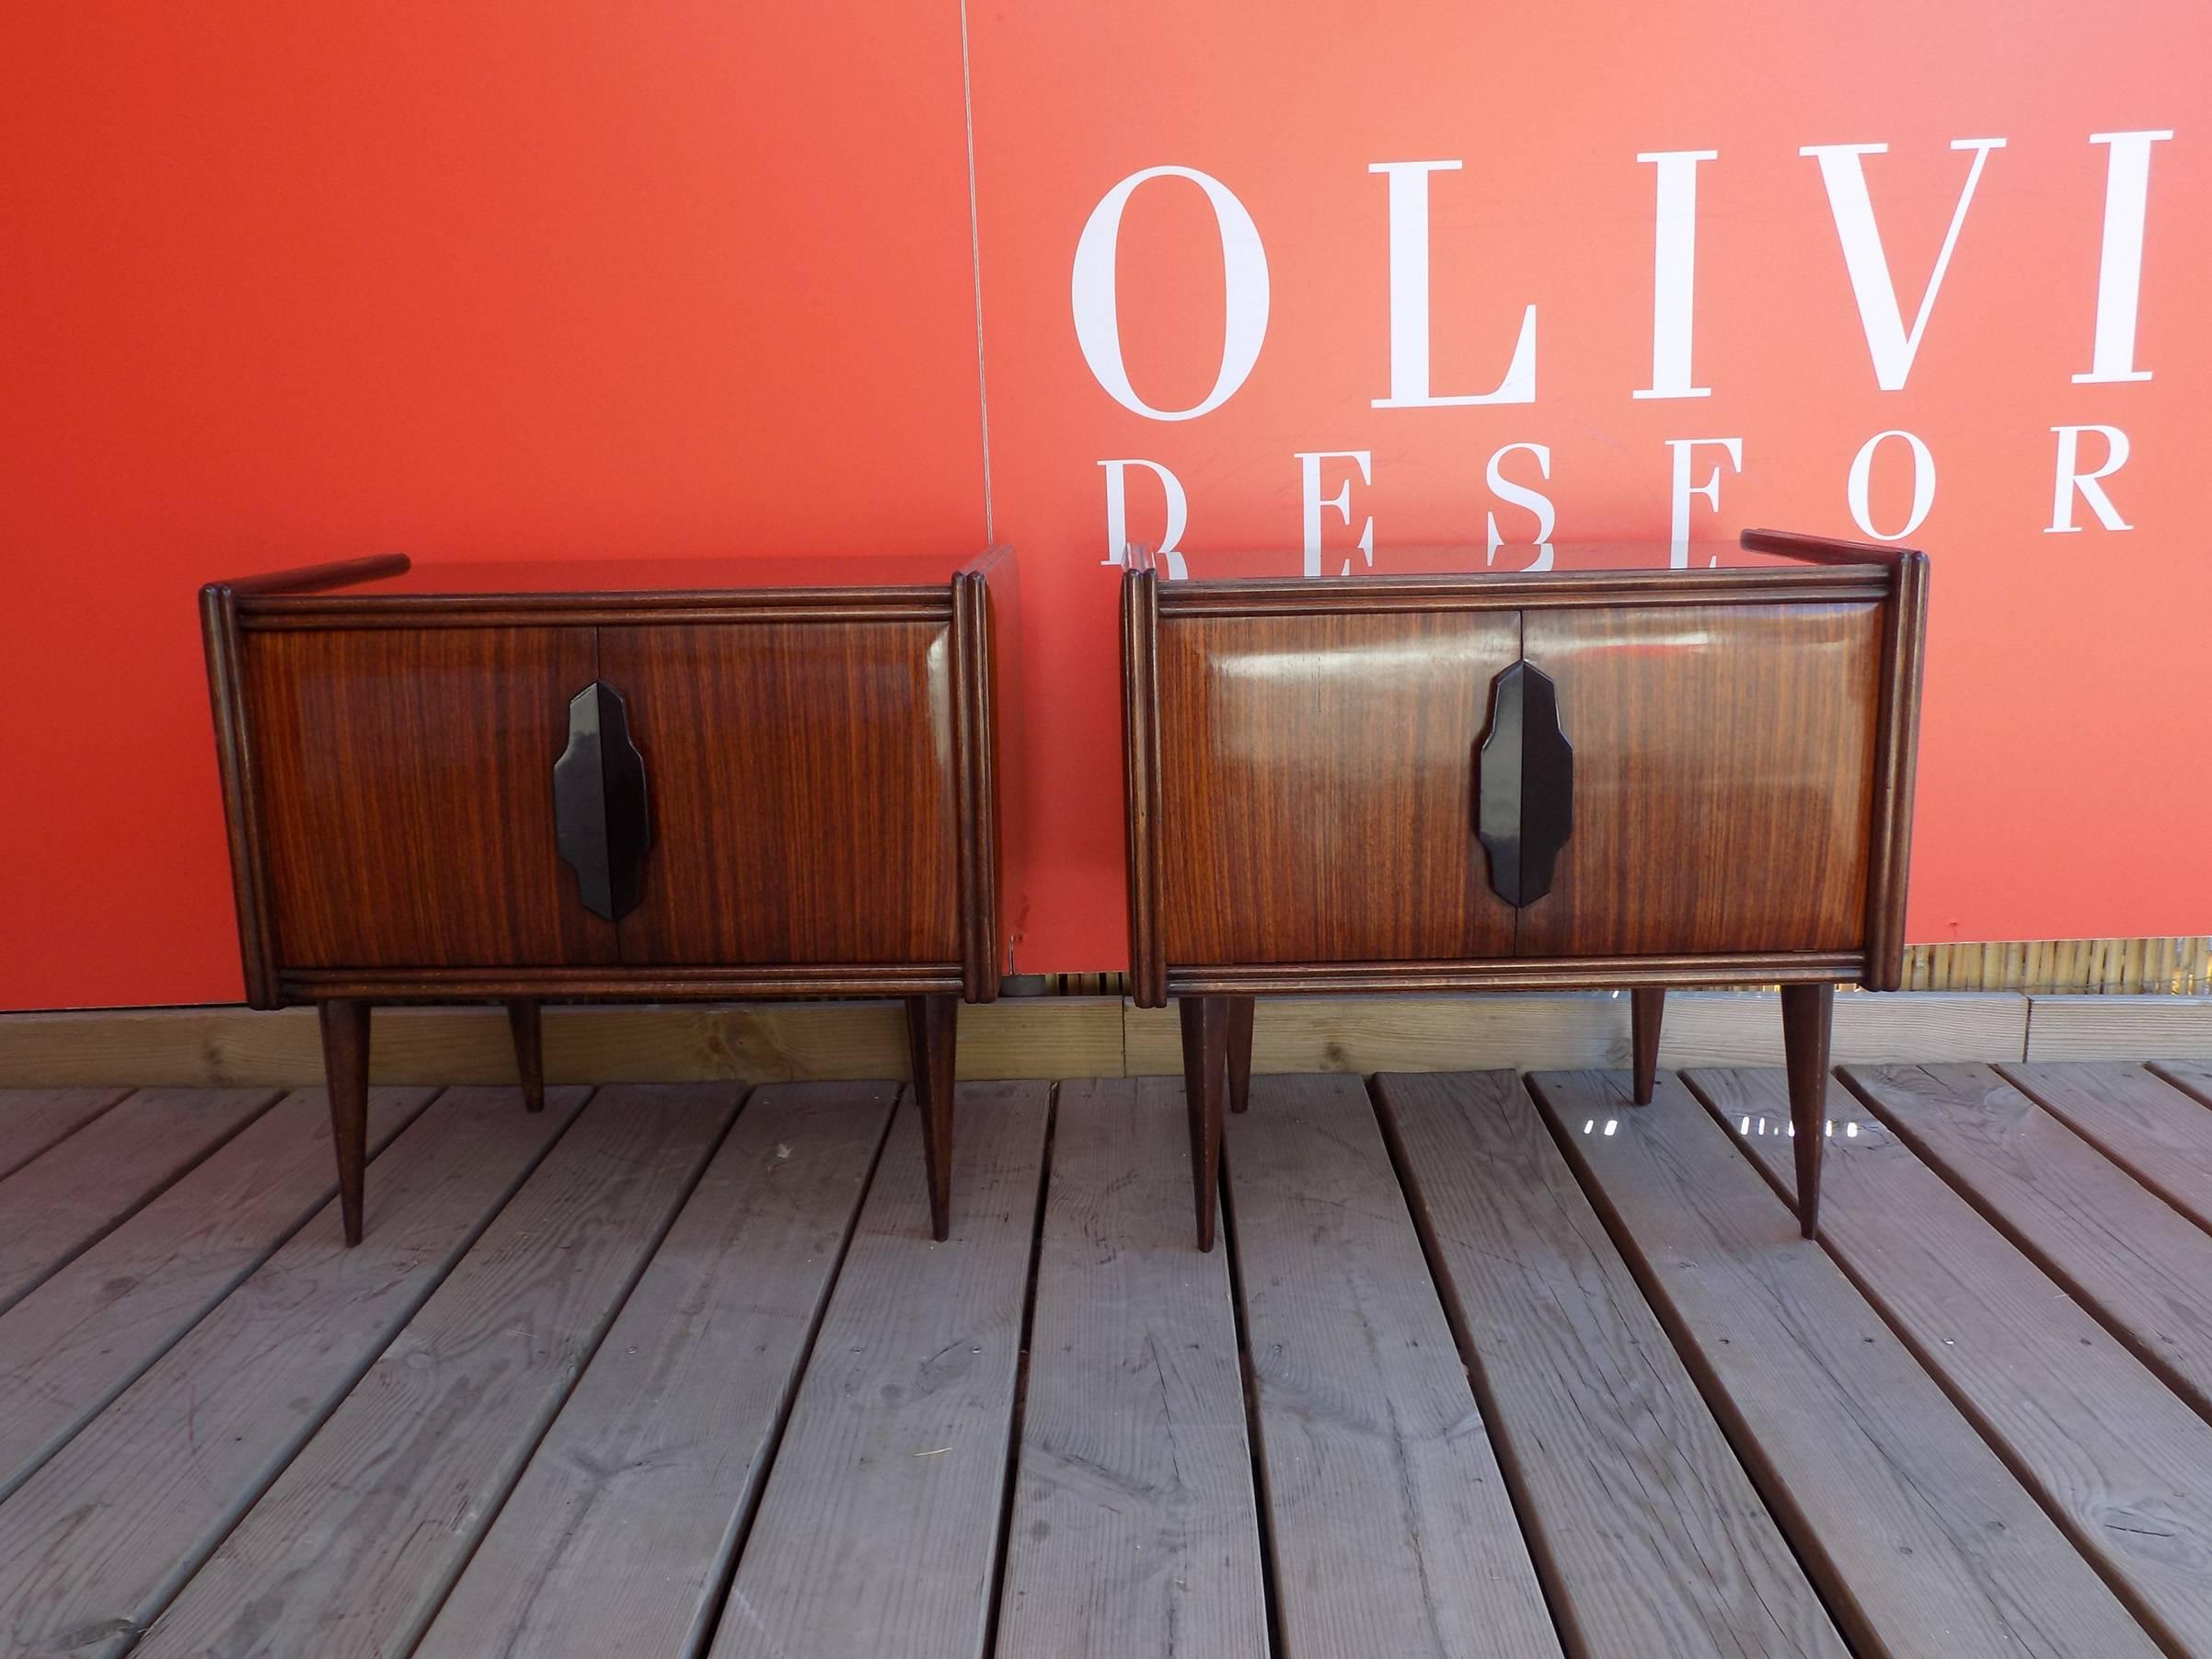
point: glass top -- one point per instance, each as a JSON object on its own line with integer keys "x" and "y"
{"x": 685, "y": 575}
{"x": 1510, "y": 559}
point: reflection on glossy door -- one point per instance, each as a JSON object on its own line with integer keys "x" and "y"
{"x": 1317, "y": 786}
{"x": 1724, "y": 761}
{"x": 803, "y": 791}
{"x": 406, "y": 779}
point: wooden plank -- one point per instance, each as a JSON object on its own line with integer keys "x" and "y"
{"x": 1649, "y": 1534}
{"x": 1391, "y": 1531}
{"x": 1135, "y": 1527}
{"x": 1921, "y": 1542}
{"x": 2121, "y": 1463}
{"x": 2120, "y": 1028}
{"x": 2144, "y": 1270}
{"x": 1015, "y": 1037}
{"x": 879, "y": 1531}
{"x": 618, "y": 1538}
{"x": 82, "y": 1337}
{"x": 33, "y": 1119}
{"x": 1553, "y": 1031}
{"x": 95, "y": 1544}
{"x": 350, "y": 1553}
{"x": 2193, "y": 1078}
{"x": 61, "y": 1202}
{"x": 1360, "y": 1034}
{"x": 2149, "y": 1127}
{"x": 675, "y": 1043}
{"x": 1722, "y": 1028}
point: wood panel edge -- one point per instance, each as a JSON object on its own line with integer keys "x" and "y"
{"x": 977, "y": 852}
{"x": 2103, "y": 1026}
{"x": 1140, "y": 756}
{"x": 241, "y": 812}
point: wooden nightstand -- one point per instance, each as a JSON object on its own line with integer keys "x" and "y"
{"x": 723, "y": 780}
{"x": 1609, "y": 772}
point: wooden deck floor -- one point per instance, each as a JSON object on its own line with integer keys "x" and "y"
{"x": 1485, "y": 1366}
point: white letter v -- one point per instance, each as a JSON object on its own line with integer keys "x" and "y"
{"x": 1891, "y": 348}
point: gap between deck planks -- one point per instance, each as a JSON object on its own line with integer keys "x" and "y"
{"x": 880, "y": 1529}
{"x": 2116, "y": 1458}
{"x": 1648, "y": 1533}
{"x": 1858, "y": 1453}
{"x": 1134, "y": 1527}
{"x": 1391, "y": 1527}
{"x": 2143, "y": 1118}
{"x": 68, "y": 1197}
{"x": 620, "y": 1535}
{"x": 2193, "y": 1078}
{"x": 2143, "y": 1269}
{"x": 34, "y": 1119}
{"x": 82, "y": 1337}
{"x": 349, "y": 1552}
{"x": 97, "y": 1542}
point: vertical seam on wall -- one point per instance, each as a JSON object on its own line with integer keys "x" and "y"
{"x": 982, "y": 394}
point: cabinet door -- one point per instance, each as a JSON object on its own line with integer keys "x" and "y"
{"x": 802, "y": 783}
{"x": 405, "y": 779}
{"x": 1317, "y": 795}
{"x": 1724, "y": 778}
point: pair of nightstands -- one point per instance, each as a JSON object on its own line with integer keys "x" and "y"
{"x": 764, "y": 778}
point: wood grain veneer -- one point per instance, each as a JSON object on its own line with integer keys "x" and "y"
{"x": 1302, "y": 756}
{"x": 802, "y": 790}
{"x": 405, "y": 782}
{"x": 1724, "y": 760}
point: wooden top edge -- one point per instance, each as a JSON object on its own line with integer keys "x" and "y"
{"x": 308, "y": 579}
{"x": 1776, "y": 555}
{"x": 1823, "y": 550}
{"x": 921, "y": 602}
{"x": 1852, "y": 580}
{"x": 395, "y": 583}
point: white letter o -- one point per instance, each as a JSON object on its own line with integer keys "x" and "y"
{"x": 1923, "y": 485}
{"x": 1244, "y": 283}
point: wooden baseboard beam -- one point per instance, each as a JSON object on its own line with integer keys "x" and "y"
{"x": 2120, "y": 1028}
{"x": 1071, "y": 1037}
{"x": 667, "y": 1043}
{"x": 1077, "y": 1037}
{"x": 1576, "y": 1031}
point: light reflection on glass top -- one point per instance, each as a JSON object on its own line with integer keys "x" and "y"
{"x": 1471, "y": 560}
{"x": 750, "y": 573}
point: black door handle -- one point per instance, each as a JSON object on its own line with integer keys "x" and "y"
{"x": 1524, "y": 785}
{"x": 602, "y": 820}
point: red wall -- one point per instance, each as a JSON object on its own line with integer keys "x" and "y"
{"x": 281, "y": 284}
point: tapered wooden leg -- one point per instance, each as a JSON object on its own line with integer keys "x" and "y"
{"x": 1808, "y": 1015}
{"x": 529, "y": 1050}
{"x": 346, "y": 1070}
{"x": 1205, "y": 1065}
{"x": 932, "y": 1029}
{"x": 1240, "y": 1052}
{"x": 1647, "y": 1005}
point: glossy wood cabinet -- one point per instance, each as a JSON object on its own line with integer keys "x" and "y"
{"x": 1610, "y": 771}
{"x": 723, "y": 779}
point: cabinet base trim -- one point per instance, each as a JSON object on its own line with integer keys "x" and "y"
{"x": 1532, "y": 973}
{"x": 627, "y": 985}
